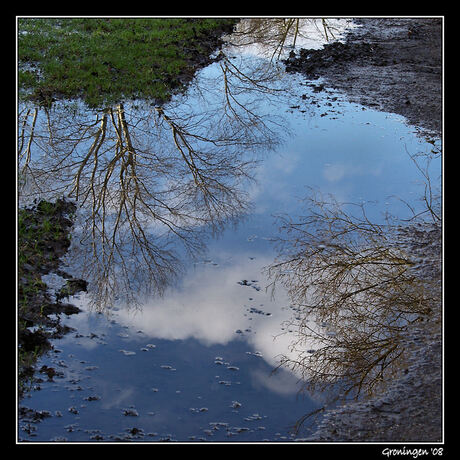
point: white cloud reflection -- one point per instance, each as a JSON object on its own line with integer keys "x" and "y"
{"x": 338, "y": 171}
{"x": 211, "y": 306}
{"x": 310, "y": 35}
{"x": 281, "y": 382}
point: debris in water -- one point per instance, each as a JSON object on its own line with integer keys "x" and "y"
{"x": 253, "y": 417}
{"x": 196, "y": 410}
{"x": 240, "y": 429}
{"x": 135, "y": 431}
{"x": 249, "y": 283}
{"x": 167, "y": 367}
{"x": 218, "y": 425}
{"x": 255, "y": 353}
{"x": 257, "y": 311}
{"x": 127, "y": 353}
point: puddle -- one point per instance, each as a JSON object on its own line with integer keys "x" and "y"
{"x": 177, "y": 390}
{"x": 195, "y": 365}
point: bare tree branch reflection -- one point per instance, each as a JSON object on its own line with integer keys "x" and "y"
{"x": 355, "y": 294}
{"x": 431, "y": 197}
{"x": 151, "y": 182}
{"x": 278, "y": 34}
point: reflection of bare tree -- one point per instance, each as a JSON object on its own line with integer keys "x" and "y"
{"x": 431, "y": 198}
{"x": 355, "y": 293}
{"x": 275, "y": 34}
{"x": 150, "y": 182}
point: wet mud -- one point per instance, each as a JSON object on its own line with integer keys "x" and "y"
{"x": 411, "y": 407}
{"x": 389, "y": 64}
{"x": 43, "y": 238}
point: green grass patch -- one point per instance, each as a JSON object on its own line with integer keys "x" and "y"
{"x": 105, "y": 60}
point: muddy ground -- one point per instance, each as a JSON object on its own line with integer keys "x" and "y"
{"x": 390, "y": 64}
{"x": 410, "y": 409}
{"x": 43, "y": 238}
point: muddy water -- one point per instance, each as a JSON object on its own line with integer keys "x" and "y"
{"x": 196, "y": 364}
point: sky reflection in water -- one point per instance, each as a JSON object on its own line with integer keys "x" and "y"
{"x": 196, "y": 364}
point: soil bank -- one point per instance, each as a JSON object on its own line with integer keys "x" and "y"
{"x": 390, "y": 64}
